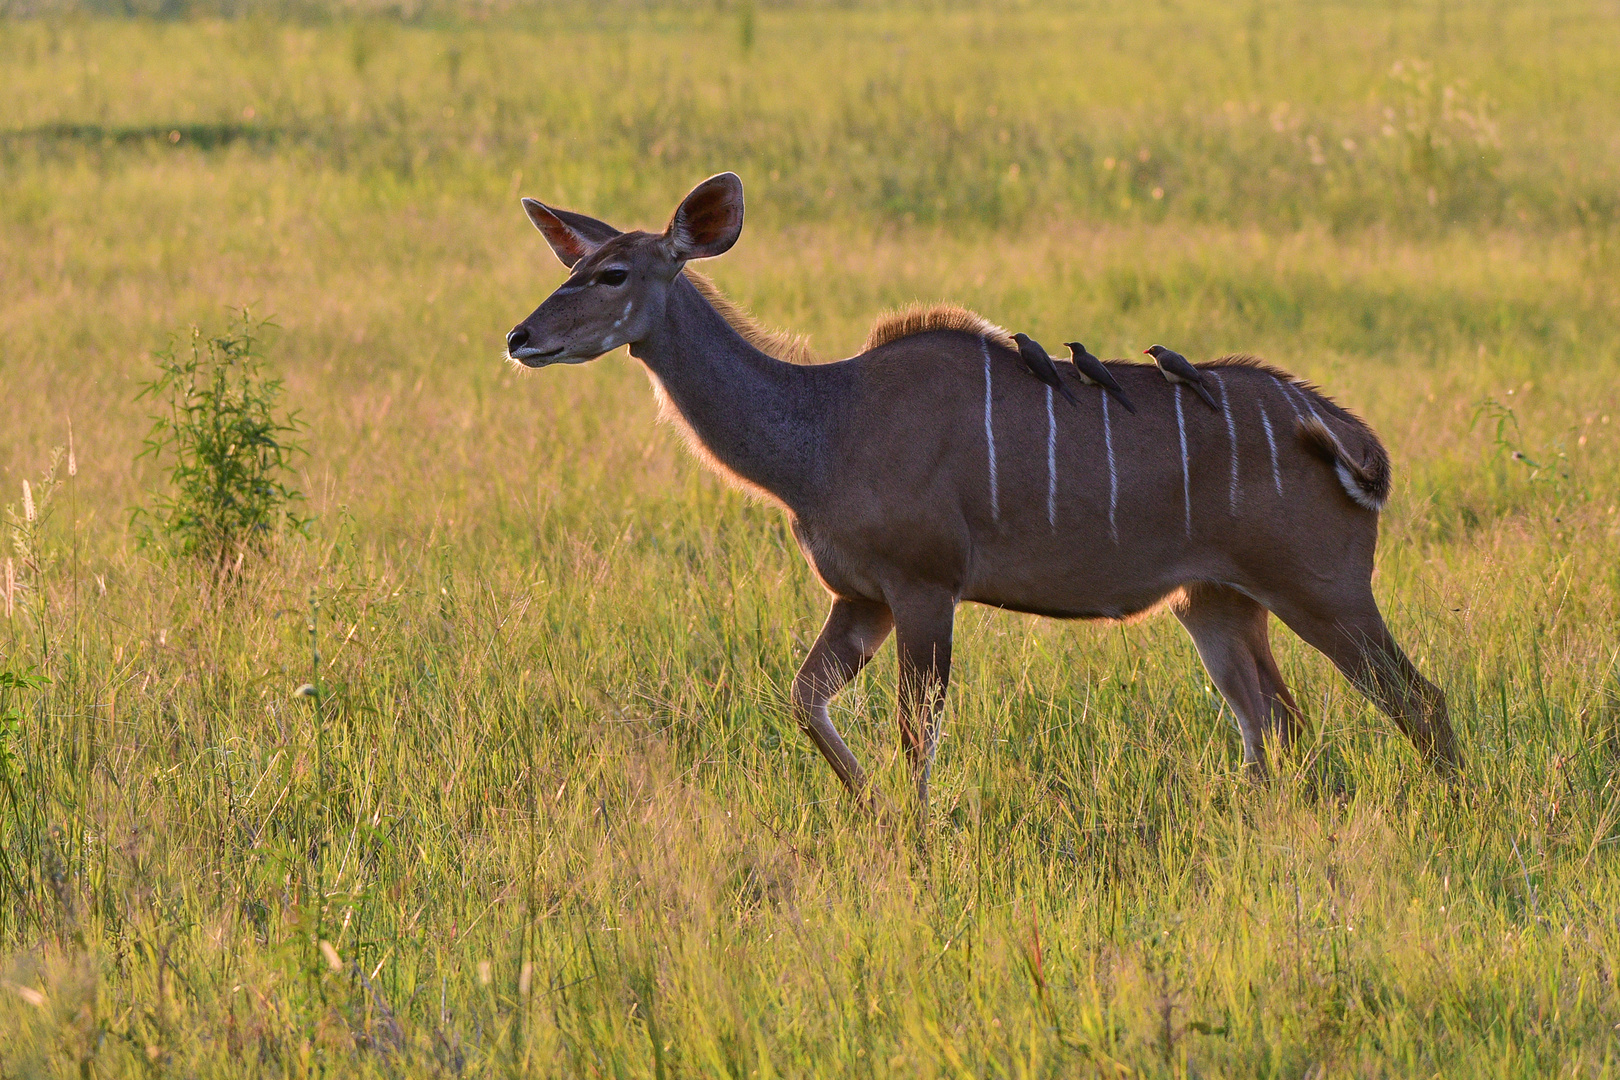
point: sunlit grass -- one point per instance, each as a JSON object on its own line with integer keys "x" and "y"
{"x": 550, "y": 813}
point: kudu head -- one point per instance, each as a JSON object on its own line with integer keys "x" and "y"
{"x": 620, "y": 281}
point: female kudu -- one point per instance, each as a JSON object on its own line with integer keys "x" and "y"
{"x": 932, "y": 469}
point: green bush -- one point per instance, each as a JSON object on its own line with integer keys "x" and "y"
{"x": 11, "y": 718}
{"x": 227, "y": 447}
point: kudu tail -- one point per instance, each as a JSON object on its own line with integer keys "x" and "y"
{"x": 1365, "y": 477}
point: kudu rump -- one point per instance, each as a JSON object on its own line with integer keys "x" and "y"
{"x": 933, "y": 469}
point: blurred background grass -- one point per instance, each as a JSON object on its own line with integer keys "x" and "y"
{"x": 555, "y": 737}
{"x": 1409, "y": 116}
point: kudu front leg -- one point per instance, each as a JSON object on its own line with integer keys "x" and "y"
{"x": 853, "y": 632}
{"x": 1352, "y": 633}
{"x": 923, "y": 625}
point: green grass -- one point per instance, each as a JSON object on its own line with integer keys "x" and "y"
{"x": 550, "y": 813}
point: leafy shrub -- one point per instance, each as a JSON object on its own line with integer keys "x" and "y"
{"x": 228, "y": 449}
{"x": 11, "y": 719}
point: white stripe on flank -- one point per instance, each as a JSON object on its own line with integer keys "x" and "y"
{"x": 1287, "y": 390}
{"x": 1051, "y": 462}
{"x": 1113, "y": 477}
{"x": 1306, "y": 398}
{"x": 990, "y": 434}
{"x": 1271, "y": 441}
{"x": 1290, "y": 399}
{"x": 1186, "y": 476}
{"x": 1231, "y": 437}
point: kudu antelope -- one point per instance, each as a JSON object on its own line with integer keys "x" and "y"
{"x": 932, "y": 469}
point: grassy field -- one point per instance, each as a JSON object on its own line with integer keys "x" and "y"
{"x": 550, "y": 815}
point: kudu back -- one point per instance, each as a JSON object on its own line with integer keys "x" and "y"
{"x": 932, "y": 469}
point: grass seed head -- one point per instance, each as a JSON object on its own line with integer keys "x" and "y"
{"x": 333, "y": 960}
{"x": 28, "y": 994}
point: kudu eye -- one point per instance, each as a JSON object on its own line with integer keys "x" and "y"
{"x": 613, "y": 276}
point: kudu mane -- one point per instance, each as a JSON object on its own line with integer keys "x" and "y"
{"x": 890, "y": 326}
{"x": 921, "y": 318}
{"x": 782, "y": 345}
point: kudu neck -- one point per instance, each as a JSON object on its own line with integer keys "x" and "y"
{"x": 754, "y": 414}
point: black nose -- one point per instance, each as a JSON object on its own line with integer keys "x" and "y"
{"x": 518, "y": 338}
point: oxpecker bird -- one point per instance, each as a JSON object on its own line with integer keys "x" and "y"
{"x": 1093, "y": 373}
{"x": 1040, "y": 365}
{"x": 1175, "y": 367}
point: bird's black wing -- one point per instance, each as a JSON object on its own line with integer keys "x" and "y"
{"x": 1203, "y": 392}
{"x": 1111, "y": 384}
{"x": 1040, "y": 365}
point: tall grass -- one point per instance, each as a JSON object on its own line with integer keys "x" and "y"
{"x": 1408, "y": 117}
{"x": 545, "y": 812}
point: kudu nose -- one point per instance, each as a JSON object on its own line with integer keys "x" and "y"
{"x": 518, "y": 338}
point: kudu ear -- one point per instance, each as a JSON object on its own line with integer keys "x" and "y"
{"x": 572, "y": 236}
{"x": 708, "y": 221}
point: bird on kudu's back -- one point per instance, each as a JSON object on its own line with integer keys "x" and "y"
{"x": 1093, "y": 372}
{"x": 1177, "y": 369}
{"x": 1040, "y": 365}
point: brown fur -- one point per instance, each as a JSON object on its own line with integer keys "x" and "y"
{"x": 669, "y": 413}
{"x": 788, "y": 347}
{"x": 921, "y": 318}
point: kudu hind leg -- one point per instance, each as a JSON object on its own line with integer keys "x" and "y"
{"x": 1229, "y": 631}
{"x": 1353, "y": 635}
{"x": 923, "y": 627}
{"x": 853, "y": 632}
{"x": 1285, "y": 719}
